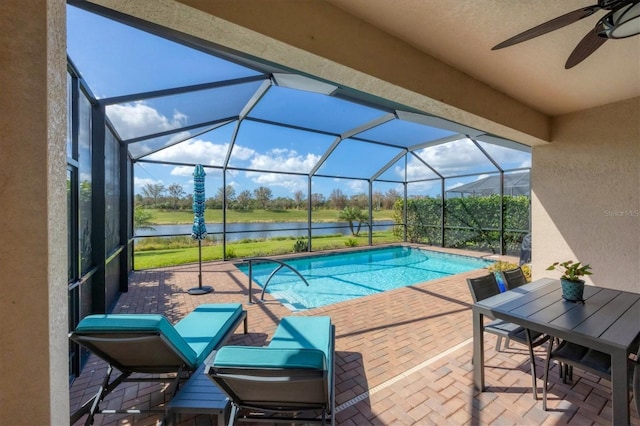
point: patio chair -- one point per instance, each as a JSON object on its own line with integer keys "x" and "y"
{"x": 150, "y": 344}
{"x": 487, "y": 286}
{"x": 569, "y": 355}
{"x": 290, "y": 381}
{"x": 513, "y": 278}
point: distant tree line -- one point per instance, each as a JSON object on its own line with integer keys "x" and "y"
{"x": 173, "y": 197}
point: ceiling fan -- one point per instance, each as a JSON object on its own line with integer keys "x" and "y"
{"x": 622, "y": 21}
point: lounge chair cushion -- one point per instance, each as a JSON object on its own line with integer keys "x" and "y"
{"x": 298, "y": 342}
{"x": 113, "y": 324}
{"x": 201, "y": 321}
{"x": 303, "y": 332}
{"x": 290, "y": 376}
{"x": 249, "y": 357}
{"x": 191, "y": 336}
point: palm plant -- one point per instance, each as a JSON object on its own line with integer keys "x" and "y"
{"x": 351, "y": 215}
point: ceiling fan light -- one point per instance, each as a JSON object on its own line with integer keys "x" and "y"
{"x": 622, "y": 22}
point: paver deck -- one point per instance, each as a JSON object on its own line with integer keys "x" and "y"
{"x": 403, "y": 357}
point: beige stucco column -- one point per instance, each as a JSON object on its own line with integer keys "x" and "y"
{"x": 33, "y": 250}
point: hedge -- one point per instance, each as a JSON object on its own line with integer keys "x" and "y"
{"x": 469, "y": 222}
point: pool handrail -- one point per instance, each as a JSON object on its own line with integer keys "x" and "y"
{"x": 281, "y": 265}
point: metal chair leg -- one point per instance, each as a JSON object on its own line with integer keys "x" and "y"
{"x": 532, "y": 360}
{"x": 545, "y": 383}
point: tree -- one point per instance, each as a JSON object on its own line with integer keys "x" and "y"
{"x": 243, "y": 200}
{"x": 142, "y": 219}
{"x": 230, "y": 192}
{"x": 85, "y": 192}
{"x": 263, "y": 195}
{"x": 337, "y": 199}
{"x": 175, "y": 193}
{"x": 359, "y": 200}
{"x": 351, "y": 215}
{"x": 377, "y": 200}
{"x": 317, "y": 200}
{"x": 153, "y": 191}
{"x": 390, "y": 198}
{"x": 298, "y": 196}
{"x": 282, "y": 203}
{"x": 186, "y": 202}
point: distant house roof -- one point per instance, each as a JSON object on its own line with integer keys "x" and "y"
{"x": 514, "y": 184}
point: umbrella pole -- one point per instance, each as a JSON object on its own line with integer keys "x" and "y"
{"x": 200, "y": 264}
{"x": 200, "y": 289}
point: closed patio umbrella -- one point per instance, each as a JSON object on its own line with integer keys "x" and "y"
{"x": 199, "y": 230}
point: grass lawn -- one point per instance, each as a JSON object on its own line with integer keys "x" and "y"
{"x": 160, "y": 252}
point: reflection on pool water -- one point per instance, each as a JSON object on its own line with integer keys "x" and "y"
{"x": 338, "y": 277}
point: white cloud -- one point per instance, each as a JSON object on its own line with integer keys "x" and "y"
{"x": 137, "y": 119}
{"x": 424, "y": 188}
{"x": 280, "y": 159}
{"x": 508, "y": 157}
{"x": 416, "y": 170}
{"x": 288, "y": 182}
{"x": 196, "y": 151}
{"x": 182, "y": 171}
{"x": 142, "y": 182}
{"x": 451, "y": 158}
{"x": 526, "y": 162}
{"x": 241, "y": 153}
{"x": 284, "y": 160}
{"x": 140, "y": 149}
{"x": 358, "y": 186}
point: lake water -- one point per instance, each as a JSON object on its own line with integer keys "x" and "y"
{"x": 238, "y": 231}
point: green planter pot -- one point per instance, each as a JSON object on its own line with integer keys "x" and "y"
{"x": 572, "y": 290}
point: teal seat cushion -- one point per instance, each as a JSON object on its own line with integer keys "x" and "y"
{"x": 138, "y": 323}
{"x": 195, "y": 336}
{"x": 304, "y": 332}
{"x": 204, "y": 328}
{"x": 267, "y": 357}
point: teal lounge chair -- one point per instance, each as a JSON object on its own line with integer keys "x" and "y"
{"x": 291, "y": 380}
{"x": 150, "y": 344}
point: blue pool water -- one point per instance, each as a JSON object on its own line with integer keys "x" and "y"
{"x": 338, "y": 277}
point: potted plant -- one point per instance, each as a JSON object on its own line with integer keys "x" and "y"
{"x": 570, "y": 280}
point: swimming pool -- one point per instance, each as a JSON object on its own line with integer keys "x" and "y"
{"x": 338, "y": 277}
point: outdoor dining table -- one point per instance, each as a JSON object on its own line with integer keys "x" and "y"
{"x": 608, "y": 320}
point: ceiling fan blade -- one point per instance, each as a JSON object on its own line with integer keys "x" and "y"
{"x": 589, "y": 44}
{"x": 547, "y": 27}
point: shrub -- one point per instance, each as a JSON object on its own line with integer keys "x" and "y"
{"x": 230, "y": 253}
{"x": 351, "y": 242}
{"x": 470, "y": 223}
{"x": 526, "y": 269}
{"x": 300, "y": 246}
{"x": 501, "y": 265}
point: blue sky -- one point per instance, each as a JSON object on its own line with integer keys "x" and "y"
{"x": 118, "y": 60}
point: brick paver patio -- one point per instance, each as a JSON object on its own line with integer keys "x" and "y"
{"x": 403, "y": 357}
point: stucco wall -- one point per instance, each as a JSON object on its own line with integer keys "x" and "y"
{"x": 586, "y": 195}
{"x": 33, "y": 255}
